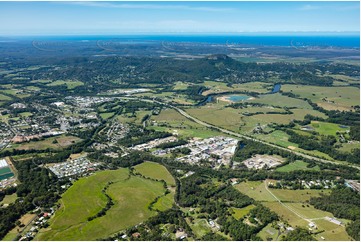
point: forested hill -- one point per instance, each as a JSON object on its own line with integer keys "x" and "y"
{"x": 168, "y": 70}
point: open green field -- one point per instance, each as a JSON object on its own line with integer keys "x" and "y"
{"x": 241, "y": 212}
{"x": 4, "y": 97}
{"x": 277, "y": 137}
{"x": 106, "y": 115}
{"x": 170, "y": 120}
{"x": 296, "y": 166}
{"x": 329, "y": 98}
{"x": 281, "y": 101}
{"x": 286, "y": 214}
{"x": 180, "y": 86}
{"x": 131, "y": 197}
{"x": 281, "y": 138}
{"x": 165, "y": 202}
{"x": 255, "y": 190}
{"x": 218, "y": 87}
{"x": 328, "y": 128}
{"x": 9, "y": 198}
{"x": 228, "y": 118}
{"x": 294, "y": 209}
{"x": 70, "y": 84}
{"x": 127, "y": 118}
{"x": 332, "y": 232}
{"x": 155, "y": 171}
{"x": 41, "y": 81}
{"x": 286, "y": 195}
{"x": 347, "y": 147}
{"x": 63, "y": 141}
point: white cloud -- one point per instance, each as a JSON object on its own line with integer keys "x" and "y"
{"x": 309, "y": 7}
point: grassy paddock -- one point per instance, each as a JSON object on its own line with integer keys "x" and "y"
{"x": 155, "y": 171}
{"x": 131, "y": 196}
{"x": 255, "y": 190}
{"x": 295, "y": 166}
{"x": 241, "y": 212}
{"x": 341, "y": 98}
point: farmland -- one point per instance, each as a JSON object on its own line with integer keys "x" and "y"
{"x": 330, "y": 98}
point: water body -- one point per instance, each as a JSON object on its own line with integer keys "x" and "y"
{"x": 276, "y": 88}
{"x": 300, "y": 40}
{"x": 208, "y": 100}
{"x": 237, "y": 98}
{"x": 343, "y": 126}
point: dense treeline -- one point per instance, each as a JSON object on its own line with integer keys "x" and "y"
{"x": 137, "y": 136}
{"x": 353, "y": 229}
{"x": 342, "y": 202}
{"x": 151, "y": 230}
{"x": 172, "y": 144}
{"x": 38, "y": 187}
{"x": 131, "y": 71}
{"x": 325, "y": 145}
{"x": 299, "y": 234}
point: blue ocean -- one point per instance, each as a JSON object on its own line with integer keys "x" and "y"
{"x": 327, "y": 40}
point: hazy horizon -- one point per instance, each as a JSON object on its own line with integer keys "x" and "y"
{"x": 119, "y": 18}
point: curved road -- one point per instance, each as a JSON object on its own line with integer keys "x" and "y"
{"x": 185, "y": 114}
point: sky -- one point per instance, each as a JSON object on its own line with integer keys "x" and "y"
{"x": 77, "y": 18}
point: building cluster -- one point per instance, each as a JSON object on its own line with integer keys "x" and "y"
{"x": 262, "y": 162}
{"x": 127, "y": 91}
{"x": 74, "y": 167}
{"x": 36, "y": 224}
{"x": 216, "y": 150}
{"x": 116, "y": 131}
{"x": 317, "y": 184}
{"x": 154, "y": 143}
{"x": 85, "y": 102}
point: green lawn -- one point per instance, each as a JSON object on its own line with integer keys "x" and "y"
{"x": 131, "y": 199}
{"x": 295, "y": 166}
{"x": 155, "y": 171}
